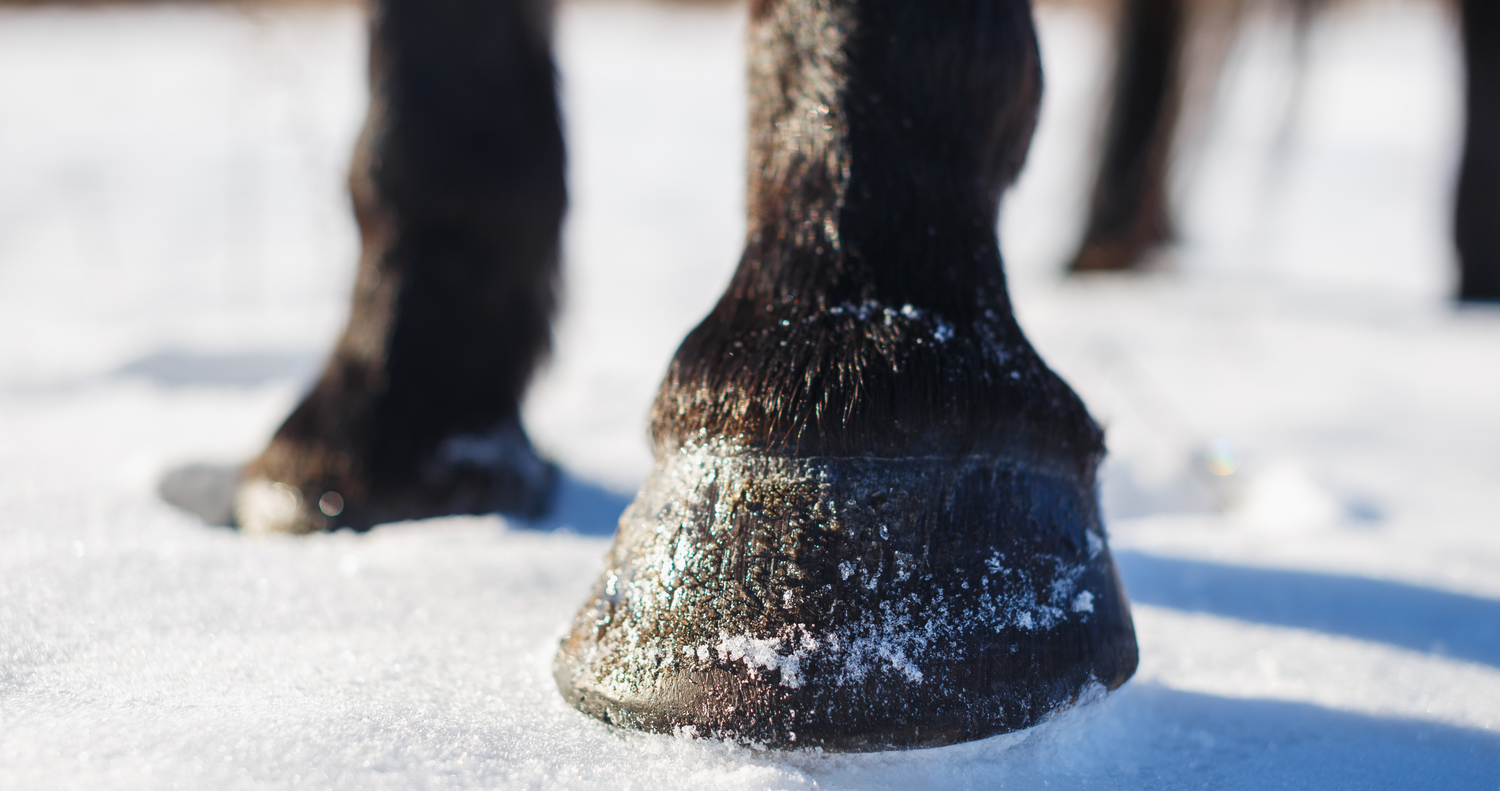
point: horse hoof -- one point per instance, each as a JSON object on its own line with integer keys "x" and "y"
{"x": 851, "y": 604}
{"x": 295, "y": 487}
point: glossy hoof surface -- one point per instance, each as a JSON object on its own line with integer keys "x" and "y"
{"x": 850, "y": 603}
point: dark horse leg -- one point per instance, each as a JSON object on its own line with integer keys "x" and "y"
{"x": 873, "y": 520}
{"x": 1477, "y": 214}
{"x": 458, "y": 189}
{"x": 1168, "y": 57}
{"x": 1129, "y": 212}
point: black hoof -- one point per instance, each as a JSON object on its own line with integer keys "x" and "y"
{"x": 850, "y": 604}
{"x": 298, "y": 488}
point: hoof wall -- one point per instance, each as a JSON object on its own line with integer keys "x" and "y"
{"x": 852, "y": 604}
{"x": 495, "y": 472}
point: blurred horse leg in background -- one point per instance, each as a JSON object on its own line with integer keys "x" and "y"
{"x": 1128, "y": 211}
{"x": 457, "y": 184}
{"x": 1169, "y": 55}
{"x": 1168, "y": 58}
{"x": 1477, "y": 211}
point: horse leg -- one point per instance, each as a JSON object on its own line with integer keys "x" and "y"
{"x": 457, "y": 185}
{"x": 873, "y": 521}
{"x": 1129, "y": 213}
{"x": 1169, "y": 56}
{"x": 1477, "y": 212}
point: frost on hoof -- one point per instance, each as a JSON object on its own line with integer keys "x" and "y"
{"x": 850, "y": 603}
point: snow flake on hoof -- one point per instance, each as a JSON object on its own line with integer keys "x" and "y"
{"x": 1096, "y": 543}
{"x": 846, "y": 656}
{"x": 1013, "y": 598}
{"x": 783, "y": 654}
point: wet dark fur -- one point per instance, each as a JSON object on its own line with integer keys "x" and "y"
{"x": 1130, "y": 213}
{"x": 458, "y": 190}
{"x": 876, "y": 172}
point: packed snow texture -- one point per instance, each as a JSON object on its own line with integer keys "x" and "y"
{"x": 1302, "y": 494}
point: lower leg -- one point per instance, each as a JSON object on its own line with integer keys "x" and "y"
{"x": 1129, "y": 212}
{"x": 458, "y": 189}
{"x": 873, "y": 520}
{"x": 1477, "y": 212}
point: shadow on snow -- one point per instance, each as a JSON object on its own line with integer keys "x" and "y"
{"x": 579, "y": 506}
{"x": 1423, "y": 619}
{"x": 179, "y": 368}
{"x": 1148, "y": 736}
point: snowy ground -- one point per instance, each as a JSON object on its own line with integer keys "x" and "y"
{"x": 174, "y": 255}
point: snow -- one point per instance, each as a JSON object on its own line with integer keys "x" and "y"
{"x": 175, "y": 252}
{"x": 767, "y": 654}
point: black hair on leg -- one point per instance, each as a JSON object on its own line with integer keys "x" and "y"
{"x": 457, "y": 185}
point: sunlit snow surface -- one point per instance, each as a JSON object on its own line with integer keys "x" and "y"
{"x": 174, "y": 255}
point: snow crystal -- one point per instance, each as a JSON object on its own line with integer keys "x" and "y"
{"x": 1096, "y": 544}
{"x": 782, "y": 654}
{"x": 937, "y": 327}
